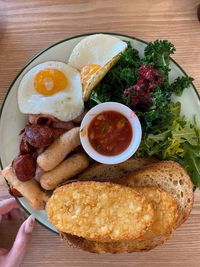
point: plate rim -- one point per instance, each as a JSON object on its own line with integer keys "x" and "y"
{"x": 46, "y": 49}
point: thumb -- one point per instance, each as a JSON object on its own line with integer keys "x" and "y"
{"x": 18, "y": 250}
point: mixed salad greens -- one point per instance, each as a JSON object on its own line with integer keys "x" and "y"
{"x": 143, "y": 85}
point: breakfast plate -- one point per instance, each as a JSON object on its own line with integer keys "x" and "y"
{"x": 12, "y": 120}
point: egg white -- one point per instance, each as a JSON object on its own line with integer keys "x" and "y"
{"x": 65, "y": 105}
{"x": 96, "y": 49}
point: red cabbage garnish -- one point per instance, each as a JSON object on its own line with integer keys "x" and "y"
{"x": 139, "y": 95}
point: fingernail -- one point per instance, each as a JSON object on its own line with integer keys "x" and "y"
{"x": 29, "y": 224}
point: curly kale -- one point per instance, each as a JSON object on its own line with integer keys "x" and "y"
{"x": 180, "y": 84}
{"x": 157, "y": 54}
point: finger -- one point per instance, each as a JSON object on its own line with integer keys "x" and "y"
{"x": 7, "y": 205}
{"x": 18, "y": 250}
{"x": 16, "y": 214}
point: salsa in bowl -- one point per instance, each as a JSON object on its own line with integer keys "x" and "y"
{"x": 110, "y": 133}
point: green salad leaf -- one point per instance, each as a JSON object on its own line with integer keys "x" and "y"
{"x": 192, "y": 162}
{"x": 158, "y": 54}
{"x": 178, "y": 140}
{"x": 159, "y": 113}
{"x": 180, "y": 84}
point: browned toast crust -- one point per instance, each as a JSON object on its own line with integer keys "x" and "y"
{"x": 171, "y": 177}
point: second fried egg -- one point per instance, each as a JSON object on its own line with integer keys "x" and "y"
{"x": 93, "y": 56}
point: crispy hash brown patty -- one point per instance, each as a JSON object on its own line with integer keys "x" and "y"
{"x": 100, "y": 211}
{"x": 165, "y": 217}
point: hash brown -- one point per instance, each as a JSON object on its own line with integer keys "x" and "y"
{"x": 100, "y": 211}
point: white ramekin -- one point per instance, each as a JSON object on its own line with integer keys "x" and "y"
{"x": 132, "y": 118}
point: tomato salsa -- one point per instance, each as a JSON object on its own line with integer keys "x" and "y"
{"x": 110, "y": 133}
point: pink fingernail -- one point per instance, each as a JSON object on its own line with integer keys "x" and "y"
{"x": 29, "y": 224}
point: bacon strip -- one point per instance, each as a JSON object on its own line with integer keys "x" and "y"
{"x": 41, "y": 118}
{"x": 67, "y": 125}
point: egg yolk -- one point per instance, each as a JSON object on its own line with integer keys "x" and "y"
{"x": 87, "y": 72}
{"x": 50, "y": 81}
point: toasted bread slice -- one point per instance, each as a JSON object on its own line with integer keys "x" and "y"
{"x": 105, "y": 172}
{"x": 169, "y": 176}
{"x": 113, "y": 247}
{"x": 165, "y": 216}
{"x": 100, "y": 211}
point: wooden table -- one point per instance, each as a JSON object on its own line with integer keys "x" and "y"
{"x": 27, "y": 27}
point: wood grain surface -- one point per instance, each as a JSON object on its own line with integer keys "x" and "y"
{"x": 27, "y": 27}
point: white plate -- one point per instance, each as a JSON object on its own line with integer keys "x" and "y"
{"x": 12, "y": 121}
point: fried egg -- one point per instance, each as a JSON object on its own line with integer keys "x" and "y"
{"x": 52, "y": 88}
{"x": 93, "y": 56}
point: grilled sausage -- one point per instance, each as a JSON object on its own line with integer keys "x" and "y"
{"x": 64, "y": 171}
{"x": 25, "y": 147}
{"x": 59, "y": 149}
{"x": 39, "y": 135}
{"x": 29, "y": 189}
{"x": 24, "y": 167}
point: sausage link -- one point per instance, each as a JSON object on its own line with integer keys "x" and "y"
{"x": 39, "y": 135}
{"x": 30, "y": 189}
{"x": 64, "y": 171}
{"x": 59, "y": 149}
{"x": 25, "y": 147}
{"x": 24, "y": 166}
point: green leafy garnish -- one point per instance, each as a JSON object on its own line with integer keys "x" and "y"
{"x": 158, "y": 54}
{"x": 192, "y": 162}
{"x": 178, "y": 140}
{"x": 180, "y": 84}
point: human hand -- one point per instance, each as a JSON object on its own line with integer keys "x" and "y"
{"x": 13, "y": 258}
